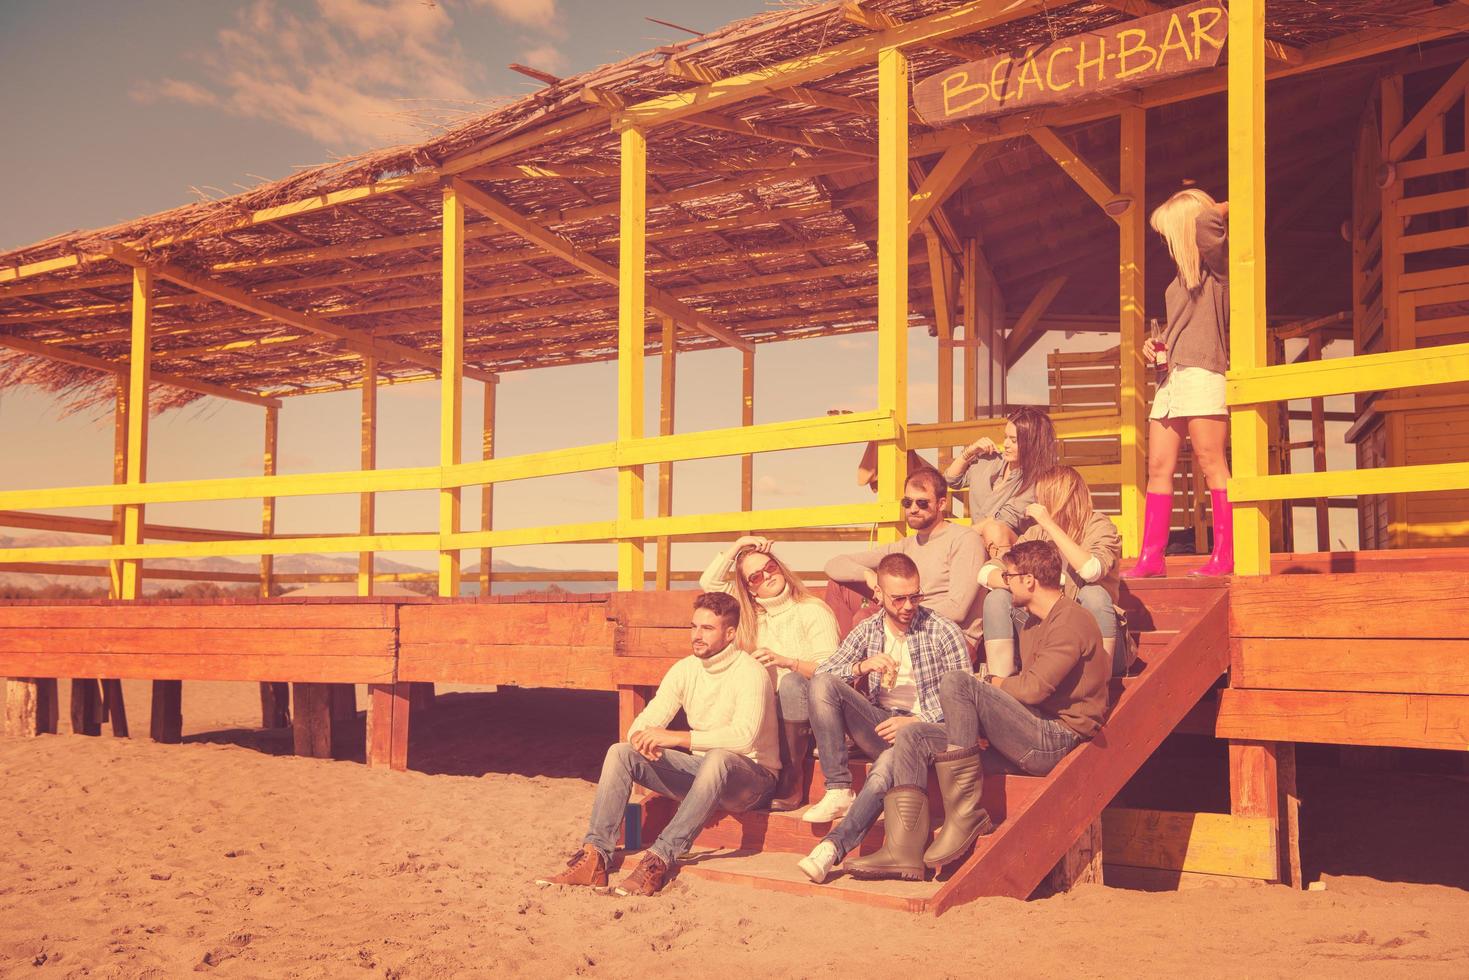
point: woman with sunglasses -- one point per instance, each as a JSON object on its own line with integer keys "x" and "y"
{"x": 1001, "y": 480}
{"x": 1090, "y": 548}
{"x": 786, "y": 628}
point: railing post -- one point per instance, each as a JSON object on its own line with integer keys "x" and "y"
{"x": 367, "y": 506}
{"x": 892, "y": 270}
{"x": 1132, "y": 291}
{"x": 969, "y": 288}
{"x": 631, "y": 339}
{"x": 487, "y": 492}
{"x": 1248, "y": 346}
{"x": 139, "y": 372}
{"x": 451, "y": 382}
{"x": 119, "y": 475}
{"x": 668, "y": 384}
{"x": 747, "y": 419}
{"x": 267, "y": 504}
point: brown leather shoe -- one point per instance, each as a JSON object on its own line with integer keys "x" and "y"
{"x": 648, "y": 878}
{"x": 586, "y": 867}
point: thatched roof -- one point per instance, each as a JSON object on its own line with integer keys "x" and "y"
{"x": 776, "y": 245}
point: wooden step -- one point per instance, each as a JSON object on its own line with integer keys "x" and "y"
{"x": 777, "y": 871}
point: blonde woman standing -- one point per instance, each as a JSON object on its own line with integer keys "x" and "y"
{"x": 786, "y": 628}
{"x": 1190, "y": 400}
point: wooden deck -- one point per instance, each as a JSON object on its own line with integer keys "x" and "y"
{"x": 1356, "y": 649}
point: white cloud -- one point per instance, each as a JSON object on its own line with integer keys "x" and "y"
{"x": 539, "y": 14}
{"x": 546, "y": 57}
{"x": 350, "y": 73}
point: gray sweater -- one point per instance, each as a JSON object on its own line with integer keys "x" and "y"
{"x": 948, "y": 572}
{"x": 995, "y": 492}
{"x": 1198, "y": 322}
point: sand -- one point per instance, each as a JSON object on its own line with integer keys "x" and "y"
{"x": 128, "y": 859}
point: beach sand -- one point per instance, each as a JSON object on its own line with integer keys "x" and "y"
{"x": 123, "y": 858}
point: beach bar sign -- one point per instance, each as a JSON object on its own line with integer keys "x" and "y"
{"x": 1112, "y": 59}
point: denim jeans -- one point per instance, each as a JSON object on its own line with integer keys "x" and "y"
{"x": 718, "y": 779}
{"x": 838, "y": 709}
{"x": 905, "y": 764}
{"x": 1001, "y": 616}
{"x": 1095, "y": 600}
{"x": 1020, "y": 739}
{"x": 793, "y": 698}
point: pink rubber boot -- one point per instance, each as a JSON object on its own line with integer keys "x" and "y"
{"x": 1222, "y": 561}
{"x": 1156, "y": 517}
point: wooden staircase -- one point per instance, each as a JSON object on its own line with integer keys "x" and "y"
{"x": 1182, "y": 627}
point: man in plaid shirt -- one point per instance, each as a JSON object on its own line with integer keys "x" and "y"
{"x": 903, "y": 653}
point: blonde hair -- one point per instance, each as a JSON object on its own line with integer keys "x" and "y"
{"x": 1176, "y": 219}
{"x": 1064, "y": 493}
{"x": 750, "y": 610}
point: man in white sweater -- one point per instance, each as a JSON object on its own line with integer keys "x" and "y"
{"x": 728, "y": 759}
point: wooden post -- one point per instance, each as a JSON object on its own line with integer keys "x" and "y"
{"x": 631, "y": 340}
{"x": 1262, "y": 783}
{"x": 30, "y": 706}
{"x": 940, "y": 275}
{"x": 487, "y": 492}
{"x": 747, "y": 419}
{"x": 973, "y": 317}
{"x": 367, "y": 504}
{"x": 112, "y": 706}
{"x": 1132, "y": 284}
{"x": 275, "y": 696}
{"x": 311, "y": 720}
{"x": 451, "y": 381}
{"x": 667, "y": 391}
{"x": 387, "y": 725}
{"x": 86, "y": 707}
{"x": 1082, "y": 863}
{"x": 892, "y": 270}
{"x": 1318, "y": 451}
{"x": 1248, "y": 346}
{"x": 630, "y": 703}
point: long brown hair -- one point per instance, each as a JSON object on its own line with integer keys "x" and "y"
{"x": 1035, "y": 444}
{"x": 1065, "y": 494}
{"x": 750, "y": 610}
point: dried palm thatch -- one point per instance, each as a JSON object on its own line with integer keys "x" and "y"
{"x": 760, "y": 218}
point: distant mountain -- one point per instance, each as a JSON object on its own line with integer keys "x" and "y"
{"x": 284, "y": 564}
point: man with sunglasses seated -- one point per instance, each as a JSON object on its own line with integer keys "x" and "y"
{"x": 903, "y": 653}
{"x": 948, "y": 557}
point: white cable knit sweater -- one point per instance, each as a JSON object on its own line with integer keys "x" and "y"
{"x": 728, "y": 702}
{"x": 802, "y": 630}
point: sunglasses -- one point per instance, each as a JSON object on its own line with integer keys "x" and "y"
{"x": 918, "y": 502}
{"x": 913, "y": 599}
{"x": 761, "y": 574}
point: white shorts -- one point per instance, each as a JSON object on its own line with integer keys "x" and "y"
{"x": 1189, "y": 391}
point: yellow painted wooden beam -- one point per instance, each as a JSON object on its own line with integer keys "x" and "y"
{"x": 973, "y": 317}
{"x": 451, "y": 377}
{"x": 940, "y": 279}
{"x": 1415, "y": 129}
{"x": 1423, "y": 478}
{"x": 119, "y": 475}
{"x": 892, "y": 268}
{"x": 946, "y": 177}
{"x": 855, "y": 12}
{"x": 325, "y": 544}
{"x": 1026, "y": 331}
{"x": 1075, "y": 165}
{"x": 1090, "y": 424}
{"x": 794, "y": 517}
{"x": 1132, "y": 232}
{"x": 820, "y": 64}
{"x": 747, "y": 421}
{"x": 780, "y": 134}
{"x": 267, "y": 504}
{"x": 590, "y": 533}
{"x": 535, "y": 233}
{"x": 1201, "y": 843}
{"x": 367, "y": 502}
{"x": 1418, "y": 368}
{"x": 632, "y": 311}
{"x": 63, "y": 355}
{"x": 1249, "y": 345}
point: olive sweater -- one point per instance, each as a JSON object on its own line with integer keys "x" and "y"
{"x": 1099, "y": 538}
{"x": 1063, "y": 671}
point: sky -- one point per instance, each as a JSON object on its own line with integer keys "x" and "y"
{"x": 119, "y": 110}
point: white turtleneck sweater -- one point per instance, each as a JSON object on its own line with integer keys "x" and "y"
{"x": 805, "y": 630}
{"x": 728, "y": 702}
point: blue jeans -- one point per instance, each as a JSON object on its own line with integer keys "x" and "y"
{"x": 718, "y": 779}
{"x": 905, "y": 764}
{"x": 793, "y": 698}
{"x": 1001, "y": 616}
{"x": 1020, "y": 739}
{"x": 837, "y": 710}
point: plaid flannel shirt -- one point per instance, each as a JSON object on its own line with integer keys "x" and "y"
{"x": 935, "y": 645}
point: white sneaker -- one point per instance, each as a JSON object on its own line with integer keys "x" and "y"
{"x": 818, "y": 864}
{"x": 833, "y": 806}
